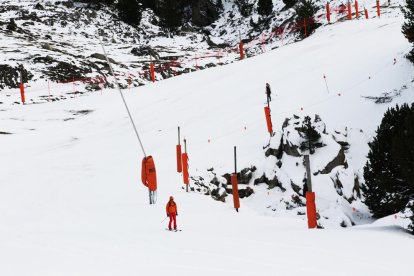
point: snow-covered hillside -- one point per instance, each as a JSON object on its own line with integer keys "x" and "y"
{"x": 55, "y": 44}
{"x": 70, "y": 192}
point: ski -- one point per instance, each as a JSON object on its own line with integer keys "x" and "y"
{"x": 172, "y": 230}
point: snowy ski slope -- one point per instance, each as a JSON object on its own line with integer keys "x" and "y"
{"x": 72, "y": 203}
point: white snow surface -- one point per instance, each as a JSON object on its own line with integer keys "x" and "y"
{"x": 72, "y": 203}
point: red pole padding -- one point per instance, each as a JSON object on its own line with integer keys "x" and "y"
{"x": 268, "y": 120}
{"x": 22, "y": 92}
{"x": 235, "y": 190}
{"x": 311, "y": 210}
{"x": 378, "y": 9}
{"x": 179, "y": 164}
{"x": 366, "y": 13}
{"x": 328, "y": 12}
{"x": 148, "y": 173}
{"x": 356, "y": 9}
{"x": 349, "y": 11}
{"x": 241, "y": 50}
{"x": 152, "y": 72}
{"x": 185, "y": 168}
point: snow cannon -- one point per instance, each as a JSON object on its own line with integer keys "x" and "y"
{"x": 149, "y": 174}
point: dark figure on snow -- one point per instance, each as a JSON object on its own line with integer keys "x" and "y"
{"x": 172, "y": 213}
{"x": 268, "y": 93}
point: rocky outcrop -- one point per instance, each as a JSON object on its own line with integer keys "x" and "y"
{"x": 10, "y": 76}
{"x": 339, "y": 160}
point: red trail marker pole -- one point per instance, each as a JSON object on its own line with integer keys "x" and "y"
{"x": 349, "y": 11}
{"x": 328, "y": 12}
{"x": 378, "y": 9}
{"x": 241, "y": 50}
{"x": 356, "y": 9}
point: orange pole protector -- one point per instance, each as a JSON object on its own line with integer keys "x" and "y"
{"x": 241, "y": 50}
{"x": 328, "y": 12}
{"x": 311, "y": 209}
{"x": 366, "y": 13}
{"x": 356, "y": 9}
{"x": 268, "y": 119}
{"x": 148, "y": 173}
{"x": 185, "y": 168}
{"x": 22, "y": 92}
{"x": 179, "y": 164}
{"x": 152, "y": 72}
{"x": 378, "y": 9}
{"x": 235, "y": 189}
{"x": 349, "y": 11}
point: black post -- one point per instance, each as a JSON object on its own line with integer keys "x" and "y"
{"x": 308, "y": 173}
{"x": 185, "y": 145}
{"x": 185, "y": 150}
{"x": 235, "y": 160}
{"x": 179, "y": 142}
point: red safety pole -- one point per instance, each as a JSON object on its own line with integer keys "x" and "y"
{"x": 184, "y": 158}
{"x": 234, "y": 184}
{"x": 241, "y": 50}
{"x": 378, "y": 9}
{"x": 311, "y": 210}
{"x": 268, "y": 120}
{"x": 310, "y": 197}
{"x": 152, "y": 72}
{"x": 349, "y": 11}
{"x": 366, "y": 13}
{"x": 178, "y": 151}
{"x": 328, "y": 12}
{"x": 356, "y": 9}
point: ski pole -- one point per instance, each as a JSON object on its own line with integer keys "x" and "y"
{"x": 164, "y": 219}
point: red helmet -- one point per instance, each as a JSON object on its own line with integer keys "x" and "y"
{"x": 171, "y": 198}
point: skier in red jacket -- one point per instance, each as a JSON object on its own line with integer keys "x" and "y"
{"x": 171, "y": 210}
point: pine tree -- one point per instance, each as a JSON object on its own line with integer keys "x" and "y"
{"x": 388, "y": 173}
{"x": 305, "y": 18}
{"x": 265, "y": 7}
{"x": 245, "y": 7}
{"x": 310, "y": 134}
{"x": 170, "y": 14}
{"x": 130, "y": 11}
{"x": 219, "y": 5}
{"x": 408, "y": 26}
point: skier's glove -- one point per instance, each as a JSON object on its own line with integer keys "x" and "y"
{"x": 176, "y": 214}
{"x": 168, "y": 215}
